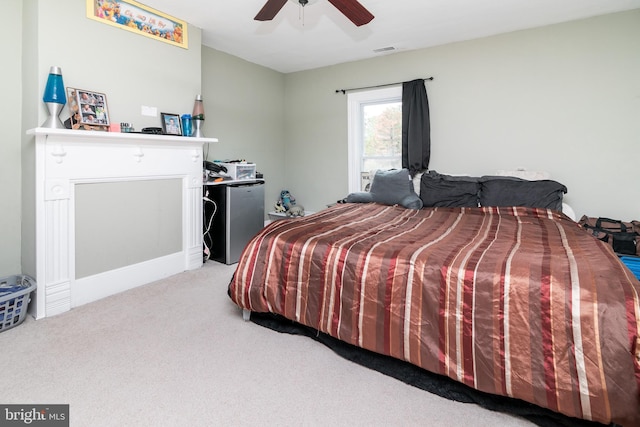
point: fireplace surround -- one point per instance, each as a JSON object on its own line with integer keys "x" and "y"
{"x": 67, "y": 158}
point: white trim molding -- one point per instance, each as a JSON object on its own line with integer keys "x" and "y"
{"x": 356, "y": 102}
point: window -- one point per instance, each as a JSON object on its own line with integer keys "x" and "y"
{"x": 375, "y": 134}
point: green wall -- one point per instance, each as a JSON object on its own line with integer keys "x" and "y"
{"x": 10, "y": 116}
{"x": 243, "y": 102}
{"x": 563, "y": 99}
{"x": 130, "y": 69}
{"x": 245, "y": 111}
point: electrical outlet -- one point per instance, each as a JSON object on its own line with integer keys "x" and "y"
{"x": 149, "y": 111}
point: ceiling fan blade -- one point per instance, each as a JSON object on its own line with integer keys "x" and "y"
{"x": 270, "y": 10}
{"x": 353, "y": 10}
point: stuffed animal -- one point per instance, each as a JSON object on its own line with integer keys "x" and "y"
{"x": 295, "y": 211}
{"x": 287, "y": 199}
{"x": 280, "y": 207}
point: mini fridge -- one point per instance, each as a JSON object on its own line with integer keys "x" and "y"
{"x": 233, "y": 214}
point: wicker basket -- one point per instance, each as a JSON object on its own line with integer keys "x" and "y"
{"x": 14, "y": 300}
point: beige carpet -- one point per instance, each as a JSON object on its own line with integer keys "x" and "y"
{"x": 177, "y": 353}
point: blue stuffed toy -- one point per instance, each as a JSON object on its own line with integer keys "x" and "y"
{"x": 287, "y": 204}
{"x": 286, "y": 199}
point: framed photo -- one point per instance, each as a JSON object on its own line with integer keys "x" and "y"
{"x": 136, "y": 17}
{"x": 171, "y": 124}
{"x": 92, "y": 108}
{"x": 88, "y": 110}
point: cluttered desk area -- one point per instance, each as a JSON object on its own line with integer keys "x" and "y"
{"x": 233, "y": 208}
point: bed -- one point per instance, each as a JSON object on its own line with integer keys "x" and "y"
{"x": 511, "y": 300}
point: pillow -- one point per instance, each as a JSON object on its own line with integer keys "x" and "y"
{"x": 415, "y": 181}
{"x": 448, "y": 191}
{"x": 360, "y": 197}
{"x": 510, "y": 191}
{"x": 391, "y": 187}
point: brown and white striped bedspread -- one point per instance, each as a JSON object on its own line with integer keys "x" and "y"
{"x": 512, "y": 301}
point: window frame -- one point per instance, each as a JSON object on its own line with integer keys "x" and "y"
{"x": 356, "y": 102}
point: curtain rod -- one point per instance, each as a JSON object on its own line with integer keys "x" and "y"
{"x": 373, "y": 87}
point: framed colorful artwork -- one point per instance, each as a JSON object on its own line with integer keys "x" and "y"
{"x": 135, "y": 17}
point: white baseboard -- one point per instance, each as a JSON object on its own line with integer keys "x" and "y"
{"x": 92, "y": 288}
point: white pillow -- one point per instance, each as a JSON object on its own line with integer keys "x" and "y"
{"x": 416, "y": 182}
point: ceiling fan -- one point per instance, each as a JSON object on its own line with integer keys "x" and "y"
{"x": 352, "y": 9}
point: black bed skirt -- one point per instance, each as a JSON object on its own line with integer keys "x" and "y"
{"x": 433, "y": 383}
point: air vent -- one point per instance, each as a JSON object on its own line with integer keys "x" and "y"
{"x": 384, "y": 49}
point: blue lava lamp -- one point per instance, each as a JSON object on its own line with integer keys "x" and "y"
{"x": 54, "y": 98}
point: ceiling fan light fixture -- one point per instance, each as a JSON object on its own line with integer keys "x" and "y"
{"x": 352, "y": 9}
{"x": 304, "y": 2}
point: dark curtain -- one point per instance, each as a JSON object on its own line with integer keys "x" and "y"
{"x": 416, "y": 128}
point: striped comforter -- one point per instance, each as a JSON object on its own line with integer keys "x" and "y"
{"x": 511, "y": 301}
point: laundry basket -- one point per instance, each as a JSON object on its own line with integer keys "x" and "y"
{"x": 14, "y": 299}
{"x": 633, "y": 263}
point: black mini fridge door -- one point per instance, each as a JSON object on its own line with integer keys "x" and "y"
{"x": 238, "y": 215}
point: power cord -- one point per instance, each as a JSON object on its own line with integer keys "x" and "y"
{"x": 207, "y": 241}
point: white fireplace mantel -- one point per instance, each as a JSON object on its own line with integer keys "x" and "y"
{"x": 64, "y": 158}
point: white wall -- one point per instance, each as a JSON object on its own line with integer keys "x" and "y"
{"x": 563, "y": 98}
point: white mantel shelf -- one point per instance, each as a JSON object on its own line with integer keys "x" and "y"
{"x": 121, "y": 137}
{"x": 64, "y": 158}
